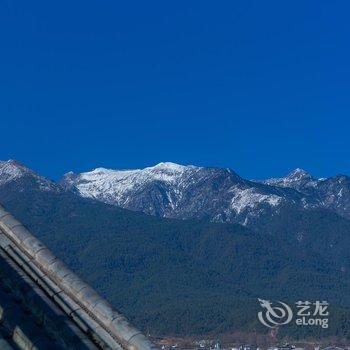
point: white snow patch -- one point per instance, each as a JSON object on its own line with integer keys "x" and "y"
{"x": 113, "y": 186}
{"x": 250, "y": 198}
{"x": 12, "y": 170}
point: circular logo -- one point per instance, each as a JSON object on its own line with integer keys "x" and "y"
{"x": 274, "y": 315}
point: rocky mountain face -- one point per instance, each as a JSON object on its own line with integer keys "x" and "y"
{"x": 12, "y": 171}
{"x": 332, "y": 193}
{"x": 186, "y": 192}
{"x": 220, "y": 195}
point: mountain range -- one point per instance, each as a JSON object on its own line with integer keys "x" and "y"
{"x": 188, "y": 250}
{"x": 184, "y": 192}
{"x": 219, "y": 195}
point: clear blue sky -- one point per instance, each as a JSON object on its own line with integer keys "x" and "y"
{"x": 261, "y": 87}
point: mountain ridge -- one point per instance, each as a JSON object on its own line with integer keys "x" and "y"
{"x": 162, "y": 189}
{"x": 186, "y": 191}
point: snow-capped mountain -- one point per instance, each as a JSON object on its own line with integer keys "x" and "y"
{"x": 331, "y": 193}
{"x": 296, "y": 179}
{"x": 117, "y": 186}
{"x": 13, "y": 171}
{"x": 184, "y": 192}
{"x": 178, "y": 191}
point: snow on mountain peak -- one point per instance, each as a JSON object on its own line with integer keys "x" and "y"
{"x": 168, "y": 165}
{"x": 298, "y": 174}
{"x": 186, "y": 191}
{"x": 11, "y": 170}
{"x": 294, "y": 179}
{"x": 170, "y": 189}
{"x": 172, "y": 166}
{"x": 113, "y": 186}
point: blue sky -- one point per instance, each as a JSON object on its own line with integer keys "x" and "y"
{"x": 258, "y": 86}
